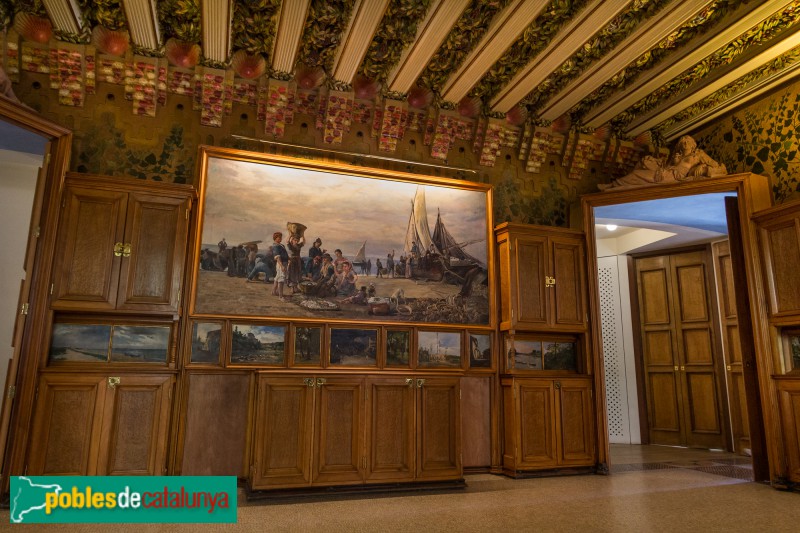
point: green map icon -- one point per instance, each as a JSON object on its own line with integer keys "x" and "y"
{"x": 28, "y": 499}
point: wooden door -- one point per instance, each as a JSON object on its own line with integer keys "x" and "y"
{"x": 659, "y": 351}
{"x": 135, "y": 426}
{"x": 695, "y": 324}
{"x": 535, "y": 424}
{"x": 67, "y": 425}
{"x": 391, "y": 429}
{"x": 567, "y": 295}
{"x": 87, "y": 269}
{"x": 780, "y": 243}
{"x": 156, "y": 231}
{"x": 789, "y": 395}
{"x": 283, "y": 431}
{"x": 731, "y": 347}
{"x": 575, "y": 426}
{"x": 339, "y": 431}
{"x": 529, "y": 267}
{"x": 438, "y": 432}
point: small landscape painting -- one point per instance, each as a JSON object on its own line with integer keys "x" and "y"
{"x": 206, "y": 342}
{"x": 140, "y": 344}
{"x": 307, "y": 345}
{"x": 354, "y": 347}
{"x": 480, "y": 350}
{"x": 258, "y": 345}
{"x": 524, "y": 354}
{"x": 439, "y": 349}
{"x": 307, "y": 241}
{"x": 398, "y": 347}
{"x": 86, "y": 343}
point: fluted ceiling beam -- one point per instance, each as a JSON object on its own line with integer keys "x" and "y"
{"x": 367, "y": 14}
{"x": 143, "y": 25}
{"x": 216, "y": 25}
{"x": 735, "y": 24}
{"x": 505, "y": 28}
{"x": 292, "y": 20}
{"x": 569, "y": 40}
{"x": 442, "y": 16}
{"x": 672, "y": 17}
{"x": 65, "y": 15}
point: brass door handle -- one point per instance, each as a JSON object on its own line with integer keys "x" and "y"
{"x": 118, "y": 247}
{"x": 728, "y": 368}
{"x": 557, "y": 385}
{"x": 113, "y": 382}
{"x": 676, "y": 368}
{"x": 549, "y": 281}
{"x": 126, "y": 249}
{"x": 683, "y": 368}
{"x": 321, "y": 382}
{"x": 410, "y": 382}
{"x": 309, "y": 382}
{"x": 420, "y": 383}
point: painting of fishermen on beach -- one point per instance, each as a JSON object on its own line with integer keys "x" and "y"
{"x": 288, "y": 242}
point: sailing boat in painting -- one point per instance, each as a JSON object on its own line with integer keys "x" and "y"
{"x": 360, "y": 260}
{"x": 438, "y": 256}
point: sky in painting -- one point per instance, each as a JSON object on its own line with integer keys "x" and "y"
{"x": 81, "y": 336}
{"x": 250, "y": 201}
{"x": 265, "y": 334}
{"x": 449, "y": 343}
{"x": 140, "y": 337}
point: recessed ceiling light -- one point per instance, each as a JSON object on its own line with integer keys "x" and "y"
{"x": 611, "y": 227}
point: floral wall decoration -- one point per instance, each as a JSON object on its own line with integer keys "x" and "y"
{"x": 763, "y": 138}
{"x": 550, "y": 208}
{"x": 107, "y": 13}
{"x": 395, "y": 32}
{"x": 598, "y": 46}
{"x": 325, "y": 23}
{"x": 180, "y": 19}
{"x": 467, "y": 32}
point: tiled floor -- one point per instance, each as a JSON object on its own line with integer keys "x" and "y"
{"x": 639, "y": 458}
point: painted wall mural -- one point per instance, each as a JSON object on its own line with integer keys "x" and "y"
{"x": 763, "y": 138}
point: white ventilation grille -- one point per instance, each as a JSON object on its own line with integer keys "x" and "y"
{"x": 613, "y": 356}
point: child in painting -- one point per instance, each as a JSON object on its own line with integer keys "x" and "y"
{"x": 280, "y": 277}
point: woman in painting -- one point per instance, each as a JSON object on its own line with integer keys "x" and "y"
{"x": 687, "y": 162}
{"x": 294, "y": 271}
{"x": 346, "y": 282}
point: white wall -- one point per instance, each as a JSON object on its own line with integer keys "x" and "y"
{"x": 18, "y": 174}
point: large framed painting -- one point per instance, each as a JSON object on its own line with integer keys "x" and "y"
{"x": 288, "y": 238}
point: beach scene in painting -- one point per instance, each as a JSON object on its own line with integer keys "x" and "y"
{"x": 299, "y": 243}
{"x": 263, "y": 345}
{"x": 80, "y": 342}
{"x": 140, "y": 344}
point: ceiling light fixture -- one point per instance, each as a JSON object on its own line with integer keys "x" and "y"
{"x": 611, "y": 227}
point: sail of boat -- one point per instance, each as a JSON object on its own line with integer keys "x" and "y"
{"x": 418, "y": 231}
{"x": 445, "y": 242}
{"x": 361, "y": 256}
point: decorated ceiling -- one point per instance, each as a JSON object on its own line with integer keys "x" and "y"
{"x": 534, "y": 74}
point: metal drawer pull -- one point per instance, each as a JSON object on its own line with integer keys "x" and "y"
{"x": 113, "y": 382}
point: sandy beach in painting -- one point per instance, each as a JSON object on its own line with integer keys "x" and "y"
{"x": 221, "y": 294}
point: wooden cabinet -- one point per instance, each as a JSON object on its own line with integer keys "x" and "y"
{"x": 308, "y": 430}
{"x": 548, "y": 423}
{"x": 121, "y": 245}
{"x": 345, "y": 430}
{"x": 92, "y": 424}
{"x": 789, "y": 394}
{"x": 542, "y": 275}
{"x": 413, "y": 429}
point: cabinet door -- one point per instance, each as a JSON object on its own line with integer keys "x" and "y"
{"x": 135, "y": 426}
{"x": 531, "y": 261}
{"x": 575, "y": 431}
{"x": 87, "y": 269}
{"x": 568, "y": 294}
{"x": 780, "y": 244}
{"x": 535, "y": 423}
{"x": 789, "y": 391}
{"x": 339, "y": 435}
{"x": 156, "y": 231}
{"x": 438, "y": 430}
{"x": 67, "y": 425}
{"x": 390, "y": 429}
{"x": 283, "y": 430}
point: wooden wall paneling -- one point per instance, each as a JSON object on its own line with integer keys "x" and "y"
{"x": 781, "y": 248}
{"x": 530, "y": 268}
{"x": 789, "y": 390}
{"x": 216, "y": 423}
{"x": 576, "y": 428}
{"x": 570, "y": 285}
{"x": 476, "y": 422}
{"x": 537, "y": 423}
{"x": 391, "y": 429}
{"x": 438, "y": 434}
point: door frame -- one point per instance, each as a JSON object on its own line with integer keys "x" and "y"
{"x": 753, "y": 192}
{"x": 32, "y": 329}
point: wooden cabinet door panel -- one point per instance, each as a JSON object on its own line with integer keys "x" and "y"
{"x": 531, "y": 268}
{"x": 780, "y": 242}
{"x": 67, "y": 425}
{"x": 88, "y": 270}
{"x": 576, "y": 440}
{"x": 438, "y": 435}
{"x": 536, "y": 423}
{"x": 135, "y": 426}
{"x": 390, "y": 429}
{"x": 156, "y": 230}
{"x": 283, "y": 432}
{"x": 789, "y": 393}
{"x": 664, "y": 408}
{"x": 338, "y": 437}
{"x": 568, "y": 291}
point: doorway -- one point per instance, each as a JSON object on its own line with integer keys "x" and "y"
{"x": 697, "y": 380}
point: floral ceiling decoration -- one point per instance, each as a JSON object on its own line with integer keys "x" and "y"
{"x": 596, "y": 102}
